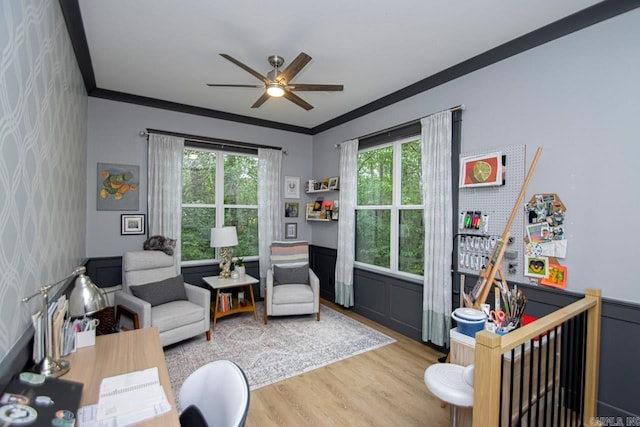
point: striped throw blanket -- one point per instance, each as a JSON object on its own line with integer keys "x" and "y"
{"x": 290, "y": 254}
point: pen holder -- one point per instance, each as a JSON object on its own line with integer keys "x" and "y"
{"x": 86, "y": 338}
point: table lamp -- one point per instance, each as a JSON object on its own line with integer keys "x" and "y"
{"x": 224, "y": 238}
{"x": 90, "y": 297}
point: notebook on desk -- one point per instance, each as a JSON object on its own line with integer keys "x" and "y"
{"x": 35, "y": 400}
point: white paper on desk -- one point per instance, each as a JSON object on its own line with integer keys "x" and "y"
{"x": 87, "y": 415}
{"x": 133, "y": 392}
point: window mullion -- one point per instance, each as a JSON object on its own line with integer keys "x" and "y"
{"x": 219, "y": 202}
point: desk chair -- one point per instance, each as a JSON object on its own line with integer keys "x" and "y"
{"x": 220, "y": 391}
{"x": 452, "y": 384}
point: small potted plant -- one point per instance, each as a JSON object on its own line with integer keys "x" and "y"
{"x": 239, "y": 267}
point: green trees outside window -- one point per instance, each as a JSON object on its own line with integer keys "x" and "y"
{"x": 389, "y": 212}
{"x": 218, "y": 189}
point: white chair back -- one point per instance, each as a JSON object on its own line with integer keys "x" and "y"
{"x": 220, "y": 391}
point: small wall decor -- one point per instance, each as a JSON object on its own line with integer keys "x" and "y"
{"x": 117, "y": 187}
{"x": 482, "y": 171}
{"x": 537, "y": 267}
{"x": 291, "y": 187}
{"x": 291, "y": 209}
{"x": 557, "y": 276}
{"x": 291, "y": 230}
{"x": 132, "y": 224}
{"x": 333, "y": 183}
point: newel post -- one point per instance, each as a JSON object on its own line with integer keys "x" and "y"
{"x": 592, "y": 363}
{"x": 487, "y": 380}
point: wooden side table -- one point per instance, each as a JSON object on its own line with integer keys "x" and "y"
{"x": 218, "y": 284}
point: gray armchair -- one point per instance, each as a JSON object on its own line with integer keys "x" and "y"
{"x": 151, "y": 289}
{"x": 291, "y": 287}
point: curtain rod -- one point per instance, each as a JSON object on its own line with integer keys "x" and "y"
{"x": 208, "y": 140}
{"x": 410, "y": 122}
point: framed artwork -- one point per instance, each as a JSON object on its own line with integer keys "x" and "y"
{"x": 291, "y": 187}
{"x": 117, "y": 187}
{"x": 291, "y": 230}
{"x": 557, "y": 276}
{"x": 132, "y": 224}
{"x": 333, "y": 183}
{"x": 537, "y": 267}
{"x": 481, "y": 171}
{"x": 291, "y": 209}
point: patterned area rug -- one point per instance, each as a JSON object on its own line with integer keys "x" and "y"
{"x": 285, "y": 347}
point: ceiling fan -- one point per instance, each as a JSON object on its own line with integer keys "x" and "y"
{"x": 278, "y": 83}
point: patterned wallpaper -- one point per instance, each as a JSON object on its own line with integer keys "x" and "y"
{"x": 43, "y": 121}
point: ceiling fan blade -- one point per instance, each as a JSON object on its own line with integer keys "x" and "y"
{"x": 297, "y": 100}
{"x": 307, "y": 87}
{"x": 246, "y": 68}
{"x": 294, "y": 68}
{"x": 225, "y": 85}
{"x": 261, "y": 100}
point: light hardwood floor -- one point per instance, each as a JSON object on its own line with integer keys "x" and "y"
{"x": 382, "y": 387}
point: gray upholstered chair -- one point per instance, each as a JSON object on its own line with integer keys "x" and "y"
{"x": 292, "y": 287}
{"x": 152, "y": 289}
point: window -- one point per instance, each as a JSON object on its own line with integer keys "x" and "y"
{"x": 218, "y": 189}
{"x": 389, "y": 209}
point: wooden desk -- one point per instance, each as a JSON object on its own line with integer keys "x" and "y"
{"x": 217, "y": 283}
{"x": 117, "y": 354}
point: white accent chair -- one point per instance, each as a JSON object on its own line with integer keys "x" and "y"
{"x": 451, "y": 383}
{"x": 298, "y": 291}
{"x": 176, "y": 320}
{"x": 220, "y": 391}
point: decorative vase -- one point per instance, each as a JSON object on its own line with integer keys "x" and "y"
{"x": 241, "y": 270}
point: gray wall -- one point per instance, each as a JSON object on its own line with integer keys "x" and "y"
{"x": 113, "y": 129}
{"x": 578, "y": 98}
{"x": 43, "y": 117}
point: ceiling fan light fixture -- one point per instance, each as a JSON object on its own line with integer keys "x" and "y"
{"x": 275, "y": 90}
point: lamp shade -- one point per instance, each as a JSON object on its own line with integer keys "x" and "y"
{"x": 223, "y": 237}
{"x": 86, "y": 298}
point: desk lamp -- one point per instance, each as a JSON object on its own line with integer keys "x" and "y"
{"x": 87, "y": 295}
{"x": 224, "y": 238}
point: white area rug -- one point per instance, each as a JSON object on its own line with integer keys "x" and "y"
{"x": 285, "y": 347}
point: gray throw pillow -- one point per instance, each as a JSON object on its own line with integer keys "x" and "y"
{"x": 291, "y": 275}
{"x": 161, "y": 292}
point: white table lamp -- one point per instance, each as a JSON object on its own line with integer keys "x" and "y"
{"x": 224, "y": 238}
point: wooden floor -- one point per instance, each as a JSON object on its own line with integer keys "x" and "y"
{"x": 382, "y": 387}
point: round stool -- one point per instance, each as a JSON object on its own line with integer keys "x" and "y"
{"x": 452, "y": 384}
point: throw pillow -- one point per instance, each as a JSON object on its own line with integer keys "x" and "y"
{"x": 291, "y": 275}
{"x": 162, "y": 292}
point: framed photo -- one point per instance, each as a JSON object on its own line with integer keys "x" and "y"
{"x": 481, "y": 171}
{"x": 557, "y": 276}
{"x": 117, "y": 187}
{"x": 291, "y": 187}
{"x": 291, "y": 209}
{"x": 536, "y": 266}
{"x": 132, "y": 224}
{"x": 291, "y": 230}
{"x": 333, "y": 183}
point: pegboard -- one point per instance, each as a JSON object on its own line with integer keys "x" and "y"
{"x": 498, "y": 203}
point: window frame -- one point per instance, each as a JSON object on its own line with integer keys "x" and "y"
{"x": 394, "y": 209}
{"x": 219, "y": 205}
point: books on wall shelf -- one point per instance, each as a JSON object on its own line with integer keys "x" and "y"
{"x": 225, "y": 302}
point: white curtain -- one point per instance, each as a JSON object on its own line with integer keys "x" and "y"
{"x": 165, "y": 188}
{"x": 270, "y": 208}
{"x": 438, "y": 233}
{"x": 347, "y": 222}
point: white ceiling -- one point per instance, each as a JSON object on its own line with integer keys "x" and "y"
{"x": 169, "y": 49}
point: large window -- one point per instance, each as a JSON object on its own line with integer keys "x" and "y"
{"x": 389, "y": 211}
{"x": 218, "y": 189}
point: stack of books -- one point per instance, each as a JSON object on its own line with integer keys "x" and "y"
{"x": 225, "y": 302}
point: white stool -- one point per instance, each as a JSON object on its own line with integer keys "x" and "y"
{"x": 452, "y": 384}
